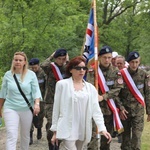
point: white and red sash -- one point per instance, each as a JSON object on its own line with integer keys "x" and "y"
{"x": 104, "y": 88}
{"x": 132, "y": 87}
{"x": 56, "y": 72}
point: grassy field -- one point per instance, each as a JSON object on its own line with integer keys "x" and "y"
{"x": 146, "y": 136}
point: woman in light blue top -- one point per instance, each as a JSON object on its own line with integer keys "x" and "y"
{"x": 16, "y": 110}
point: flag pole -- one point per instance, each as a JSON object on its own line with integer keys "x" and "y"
{"x": 95, "y": 45}
{"x": 96, "y": 50}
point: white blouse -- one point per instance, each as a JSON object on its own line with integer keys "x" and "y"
{"x": 79, "y": 117}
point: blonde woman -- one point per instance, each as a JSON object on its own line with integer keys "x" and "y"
{"x": 16, "y": 111}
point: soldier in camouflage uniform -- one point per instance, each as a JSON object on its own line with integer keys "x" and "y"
{"x": 60, "y": 57}
{"x": 41, "y": 76}
{"x": 148, "y": 72}
{"x": 115, "y": 83}
{"x": 133, "y": 115}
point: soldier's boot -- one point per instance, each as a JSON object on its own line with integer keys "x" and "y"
{"x": 119, "y": 138}
{"x": 49, "y": 136}
{"x": 39, "y": 133}
{"x": 31, "y": 138}
{"x": 51, "y": 147}
{"x": 114, "y": 134}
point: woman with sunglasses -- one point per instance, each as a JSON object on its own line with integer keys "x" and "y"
{"x": 75, "y": 104}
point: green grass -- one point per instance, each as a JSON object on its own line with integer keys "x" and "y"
{"x": 3, "y": 124}
{"x": 146, "y": 136}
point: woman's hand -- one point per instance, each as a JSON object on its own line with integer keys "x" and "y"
{"x": 54, "y": 139}
{"x": 107, "y": 135}
{"x": 100, "y": 98}
{"x": 36, "y": 108}
{"x": 1, "y": 105}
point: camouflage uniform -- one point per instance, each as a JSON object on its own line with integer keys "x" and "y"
{"x": 111, "y": 76}
{"x": 49, "y": 94}
{"x": 41, "y": 80}
{"x": 133, "y": 125}
{"x": 148, "y": 72}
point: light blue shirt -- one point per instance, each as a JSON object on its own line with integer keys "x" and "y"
{"x": 11, "y": 94}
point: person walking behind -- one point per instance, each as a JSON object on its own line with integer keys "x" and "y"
{"x": 120, "y": 62}
{"x": 114, "y": 57}
{"x": 134, "y": 97}
{"x": 16, "y": 111}
{"x": 54, "y": 71}
{"x": 41, "y": 76}
{"x": 75, "y": 104}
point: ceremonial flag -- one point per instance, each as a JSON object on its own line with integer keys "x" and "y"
{"x": 89, "y": 40}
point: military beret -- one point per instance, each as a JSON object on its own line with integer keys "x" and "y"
{"x": 132, "y": 55}
{"x": 60, "y": 52}
{"x": 34, "y": 61}
{"x": 105, "y": 50}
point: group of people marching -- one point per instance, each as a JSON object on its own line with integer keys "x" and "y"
{"x": 74, "y": 109}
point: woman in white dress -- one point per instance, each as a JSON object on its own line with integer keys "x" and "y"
{"x": 75, "y": 104}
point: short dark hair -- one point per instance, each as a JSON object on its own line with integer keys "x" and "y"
{"x": 73, "y": 63}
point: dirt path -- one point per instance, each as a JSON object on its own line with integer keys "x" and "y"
{"x": 42, "y": 144}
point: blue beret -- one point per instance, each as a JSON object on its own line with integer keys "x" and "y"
{"x": 60, "y": 52}
{"x": 105, "y": 50}
{"x": 34, "y": 61}
{"x": 132, "y": 55}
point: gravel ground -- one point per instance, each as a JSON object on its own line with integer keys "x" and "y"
{"x": 42, "y": 143}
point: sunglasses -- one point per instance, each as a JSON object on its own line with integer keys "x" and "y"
{"x": 79, "y": 68}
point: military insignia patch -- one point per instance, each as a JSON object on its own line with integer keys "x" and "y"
{"x": 135, "y": 55}
{"x": 91, "y": 69}
{"x": 119, "y": 73}
{"x": 120, "y": 81}
{"x": 107, "y": 50}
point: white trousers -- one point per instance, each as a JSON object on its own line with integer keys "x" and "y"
{"x": 12, "y": 121}
{"x": 72, "y": 145}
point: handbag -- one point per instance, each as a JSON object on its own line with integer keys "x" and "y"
{"x": 54, "y": 147}
{"x": 35, "y": 117}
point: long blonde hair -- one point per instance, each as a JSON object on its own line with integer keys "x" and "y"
{"x": 25, "y": 67}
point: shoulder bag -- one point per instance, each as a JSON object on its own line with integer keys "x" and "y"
{"x": 35, "y": 117}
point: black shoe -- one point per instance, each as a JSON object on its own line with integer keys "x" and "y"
{"x": 31, "y": 138}
{"x": 31, "y": 141}
{"x": 39, "y": 133}
{"x": 119, "y": 138}
{"x": 50, "y": 146}
{"x": 114, "y": 134}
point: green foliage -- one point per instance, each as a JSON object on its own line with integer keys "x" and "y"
{"x": 1, "y": 77}
{"x": 40, "y": 27}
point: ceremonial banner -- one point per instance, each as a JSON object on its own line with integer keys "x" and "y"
{"x": 56, "y": 72}
{"x": 104, "y": 88}
{"x": 132, "y": 87}
{"x": 89, "y": 40}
